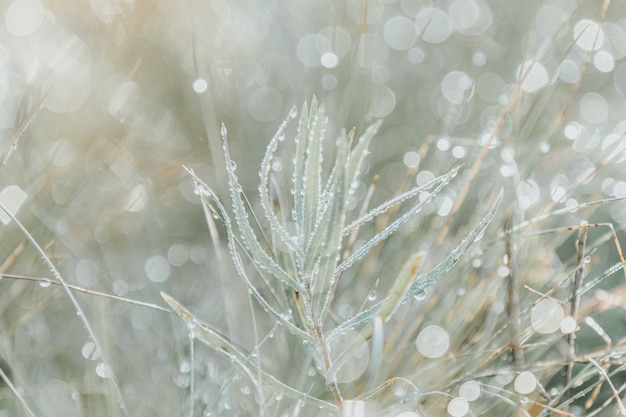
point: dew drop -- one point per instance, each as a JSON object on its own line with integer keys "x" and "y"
{"x": 420, "y": 296}
{"x": 568, "y": 325}
{"x": 372, "y": 295}
{"x": 90, "y": 351}
{"x": 200, "y": 85}
{"x": 223, "y": 131}
{"x": 103, "y": 370}
{"x": 470, "y": 390}
{"x": 546, "y": 316}
{"x": 533, "y": 76}
{"x": 433, "y": 341}
{"x": 400, "y": 391}
{"x": 458, "y": 407}
{"x": 525, "y": 382}
{"x": 588, "y": 35}
{"x": 44, "y": 283}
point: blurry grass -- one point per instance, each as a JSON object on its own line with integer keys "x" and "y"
{"x": 106, "y": 191}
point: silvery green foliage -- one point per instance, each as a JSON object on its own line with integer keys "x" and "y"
{"x": 299, "y": 269}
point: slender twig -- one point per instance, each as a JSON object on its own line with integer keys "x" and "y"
{"x": 513, "y": 294}
{"x": 575, "y": 300}
{"x": 47, "y": 282}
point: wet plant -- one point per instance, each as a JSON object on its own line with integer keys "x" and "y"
{"x": 299, "y": 267}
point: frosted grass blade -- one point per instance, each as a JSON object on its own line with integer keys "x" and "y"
{"x": 204, "y": 191}
{"x": 302, "y": 138}
{"x": 333, "y": 224}
{"x": 363, "y": 250}
{"x": 313, "y": 171}
{"x": 264, "y": 192}
{"x": 360, "y": 151}
{"x": 260, "y": 257}
{"x": 311, "y": 255}
{"x": 426, "y": 280}
{"x": 241, "y": 361}
{"x": 377, "y": 211}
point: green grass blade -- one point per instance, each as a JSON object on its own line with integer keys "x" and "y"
{"x": 360, "y": 151}
{"x": 400, "y": 287}
{"x": 260, "y": 257}
{"x": 387, "y": 306}
{"x": 264, "y": 174}
{"x": 425, "y": 280}
{"x": 313, "y": 171}
{"x": 205, "y": 191}
{"x": 377, "y": 211}
{"x": 369, "y": 245}
{"x": 302, "y": 138}
{"x": 332, "y": 223}
{"x": 428, "y": 279}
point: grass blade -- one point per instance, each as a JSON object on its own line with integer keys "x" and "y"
{"x": 258, "y": 254}
{"x": 363, "y": 250}
{"x": 238, "y": 358}
{"x": 426, "y": 280}
{"x": 77, "y": 307}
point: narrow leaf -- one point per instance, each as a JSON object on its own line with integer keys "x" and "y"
{"x": 360, "y": 151}
{"x": 399, "y": 289}
{"x": 369, "y": 245}
{"x": 299, "y": 159}
{"x": 205, "y": 191}
{"x": 377, "y": 211}
{"x": 313, "y": 171}
{"x": 264, "y": 193}
{"x": 333, "y": 224}
{"x": 260, "y": 257}
{"x": 426, "y": 280}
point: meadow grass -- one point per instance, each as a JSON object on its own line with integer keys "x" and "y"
{"x": 434, "y": 228}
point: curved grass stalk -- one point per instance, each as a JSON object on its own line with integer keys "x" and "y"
{"x": 240, "y": 360}
{"x": 79, "y": 310}
{"x": 76, "y": 288}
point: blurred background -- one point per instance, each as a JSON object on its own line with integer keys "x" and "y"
{"x": 103, "y": 102}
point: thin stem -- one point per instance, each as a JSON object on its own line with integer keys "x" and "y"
{"x": 574, "y": 302}
{"x": 513, "y": 294}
